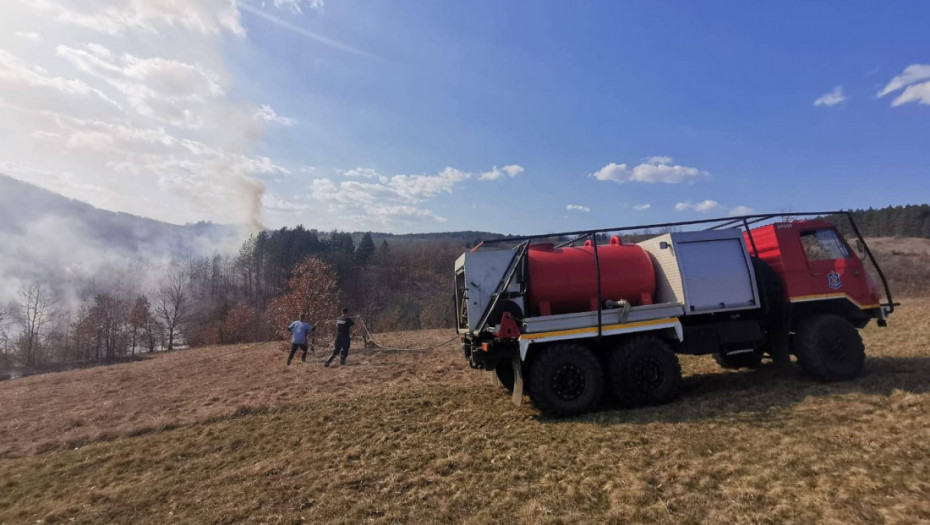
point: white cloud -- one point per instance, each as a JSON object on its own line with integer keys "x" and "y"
{"x": 166, "y": 90}
{"x": 706, "y": 205}
{"x": 295, "y": 5}
{"x": 511, "y": 171}
{"x": 369, "y": 199}
{"x": 365, "y": 173}
{"x": 655, "y": 169}
{"x": 419, "y": 187}
{"x": 274, "y": 203}
{"x": 29, "y": 35}
{"x": 16, "y": 75}
{"x": 642, "y": 207}
{"x": 742, "y": 210}
{"x": 703, "y": 206}
{"x": 615, "y": 172}
{"x": 267, "y": 114}
{"x": 832, "y": 98}
{"x": 915, "y": 81}
{"x": 119, "y": 17}
{"x": 577, "y": 207}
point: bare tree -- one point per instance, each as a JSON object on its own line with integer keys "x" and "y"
{"x": 173, "y": 304}
{"x": 36, "y": 304}
{"x": 139, "y": 320}
{"x": 4, "y": 334}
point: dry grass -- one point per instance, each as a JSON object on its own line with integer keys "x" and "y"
{"x": 904, "y": 261}
{"x": 70, "y": 408}
{"x": 418, "y": 437}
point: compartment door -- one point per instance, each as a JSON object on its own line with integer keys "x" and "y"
{"x": 716, "y": 275}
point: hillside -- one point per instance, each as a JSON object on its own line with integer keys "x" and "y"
{"x": 70, "y": 245}
{"x": 904, "y": 262}
{"x": 228, "y": 434}
{"x": 22, "y": 205}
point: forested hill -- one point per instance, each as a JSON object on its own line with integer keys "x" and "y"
{"x": 465, "y": 238}
{"x": 912, "y": 220}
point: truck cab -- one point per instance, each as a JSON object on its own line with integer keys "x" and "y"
{"x": 816, "y": 264}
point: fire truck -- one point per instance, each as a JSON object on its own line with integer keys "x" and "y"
{"x": 569, "y": 317}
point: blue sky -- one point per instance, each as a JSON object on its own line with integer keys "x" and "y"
{"x": 385, "y": 115}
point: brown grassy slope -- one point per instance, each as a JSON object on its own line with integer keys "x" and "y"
{"x": 904, "y": 261}
{"x": 43, "y": 411}
{"x": 741, "y": 447}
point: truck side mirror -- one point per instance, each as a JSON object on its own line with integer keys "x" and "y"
{"x": 860, "y": 247}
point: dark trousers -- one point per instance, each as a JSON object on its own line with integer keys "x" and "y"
{"x": 294, "y": 347}
{"x": 341, "y": 349}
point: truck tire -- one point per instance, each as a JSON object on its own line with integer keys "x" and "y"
{"x": 565, "y": 379}
{"x": 734, "y": 362}
{"x": 504, "y": 372}
{"x": 829, "y": 348}
{"x": 644, "y": 371}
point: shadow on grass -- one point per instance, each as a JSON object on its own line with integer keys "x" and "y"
{"x": 762, "y": 395}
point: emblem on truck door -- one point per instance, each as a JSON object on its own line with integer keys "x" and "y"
{"x": 833, "y": 280}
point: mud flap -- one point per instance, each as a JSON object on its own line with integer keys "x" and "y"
{"x": 780, "y": 349}
{"x": 517, "y": 382}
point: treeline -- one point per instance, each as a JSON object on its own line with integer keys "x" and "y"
{"x": 912, "y": 220}
{"x": 395, "y": 286}
{"x": 250, "y": 296}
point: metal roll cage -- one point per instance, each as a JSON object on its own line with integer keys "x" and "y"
{"x": 741, "y": 221}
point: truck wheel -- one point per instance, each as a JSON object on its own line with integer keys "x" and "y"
{"x": 504, "y": 372}
{"x": 829, "y": 348}
{"x": 644, "y": 371}
{"x": 734, "y": 362}
{"x": 565, "y": 380}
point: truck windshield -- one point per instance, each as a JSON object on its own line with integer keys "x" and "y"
{"x": 823, "y": 245}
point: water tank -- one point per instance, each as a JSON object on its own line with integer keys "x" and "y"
{"x": 564, "y": 280}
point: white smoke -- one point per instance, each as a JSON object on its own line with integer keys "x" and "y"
{"x": 75, "y": 250}
{"x": 125, "y": 104}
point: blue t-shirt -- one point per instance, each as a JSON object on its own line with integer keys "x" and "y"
{"x": 299, "y": 329}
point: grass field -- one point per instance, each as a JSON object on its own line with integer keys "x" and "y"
{"x": 228, "y": 434}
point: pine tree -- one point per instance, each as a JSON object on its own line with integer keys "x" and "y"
{"x": 365, "y": 249}
{"x": 383, "y": 255}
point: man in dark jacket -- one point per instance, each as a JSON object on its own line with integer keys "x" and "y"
{"x": 343, "y": 328}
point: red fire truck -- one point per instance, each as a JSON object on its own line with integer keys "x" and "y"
{"x": 567, "y": 316}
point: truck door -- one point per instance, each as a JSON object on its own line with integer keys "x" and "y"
{"x": 832, "y": 265}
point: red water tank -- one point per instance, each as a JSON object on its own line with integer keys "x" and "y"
{"x": 564, "y": 280}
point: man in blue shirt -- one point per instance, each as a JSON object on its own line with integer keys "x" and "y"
{"x": 298, "y": 330}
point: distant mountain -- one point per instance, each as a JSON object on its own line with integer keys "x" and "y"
{"x": 67, "y": 244}
{"x": 21, "y": 204}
